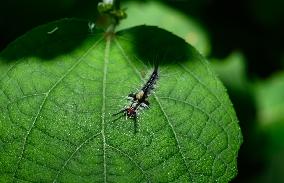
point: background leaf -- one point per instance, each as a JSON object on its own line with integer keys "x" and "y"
{"x": 58, "y": 91}
{"x": 232, "y": 71}
{"x": 168, "y": 18}
{"x": 270, "y": 101}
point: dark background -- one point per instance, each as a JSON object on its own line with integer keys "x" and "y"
{"x": 253, "y": 27}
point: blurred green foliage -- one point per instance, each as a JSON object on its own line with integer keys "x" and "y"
{"x": 232, "y": 71}
{"x": 270, "y": 100}
{"x": 168, "y": 18}
{"x": 260, "y": 107}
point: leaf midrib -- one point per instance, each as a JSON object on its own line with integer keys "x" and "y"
{"x": 106, "y": 61}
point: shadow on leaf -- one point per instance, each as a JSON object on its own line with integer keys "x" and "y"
{"x": 48, "y": 41}
{"x": 154, "y": 45}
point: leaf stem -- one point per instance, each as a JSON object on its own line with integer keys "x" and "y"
{"x": 111, "y": 9}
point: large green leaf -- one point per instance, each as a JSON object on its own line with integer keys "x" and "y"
{"x": 60, "y": 85}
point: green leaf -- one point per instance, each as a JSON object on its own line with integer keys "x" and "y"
{"x": 270, "y": 108}
{"x": 157, "y": 14}
{"x": 232, "y": 71}
{"x": 59, "y": 89}
{"x": 269, "y": 100}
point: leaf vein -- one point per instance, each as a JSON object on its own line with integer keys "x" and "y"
{"x": 206, "y": 88}
{"x": 44, "y": 102}
{"x": 73, "y": 153}
{"x": 162, "y": 109}
{"x": 132, "y": 160}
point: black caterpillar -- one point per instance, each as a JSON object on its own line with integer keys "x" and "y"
{"x": 140, "y": 99}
